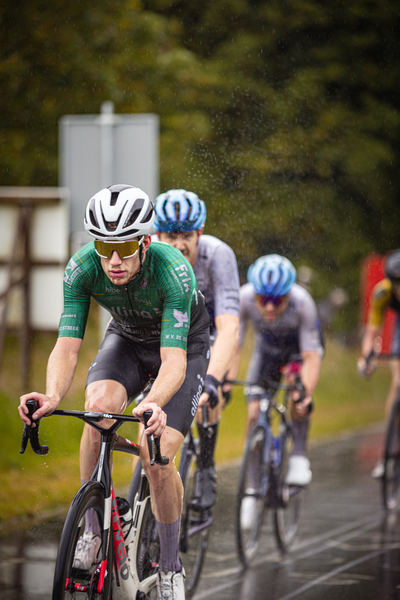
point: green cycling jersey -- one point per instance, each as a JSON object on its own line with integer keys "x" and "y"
{"x": 161, "y": 307}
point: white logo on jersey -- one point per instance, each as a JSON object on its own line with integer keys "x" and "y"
{"x": 180, "y": 317}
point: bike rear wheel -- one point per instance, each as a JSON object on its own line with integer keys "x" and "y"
{"x": 251, "y": 498}
{"x": 287, "y": 516}
{"x": 194, "y": 530}
{"x": 391, "y": 476}
{"x": 71, "y": 582}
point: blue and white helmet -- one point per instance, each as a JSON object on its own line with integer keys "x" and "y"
{"x": 179, "y": 211}
{"x": 271, "y": 275}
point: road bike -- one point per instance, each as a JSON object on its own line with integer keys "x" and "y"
{"x": 120, "y": 571}
{"x": 262, "y": 476}
{"x": 391, "y": 460}
{"x": 195, "y": 523}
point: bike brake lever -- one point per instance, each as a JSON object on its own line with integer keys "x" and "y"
{"x": 154, "y": 444}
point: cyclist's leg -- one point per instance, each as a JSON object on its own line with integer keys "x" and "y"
{"x": 394, "y": 386}
{"x": 166, "y": 492}
{"x": 379, "y": 470}
{"x": 205, "y": 488}
{"x": 165, "y": 482}
{"x": 395, "y": 369}
{"x": 112, "y": 373}
{"x": 194, "y": 530}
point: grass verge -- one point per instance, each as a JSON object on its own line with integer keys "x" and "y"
{"x": 32, "y": 485}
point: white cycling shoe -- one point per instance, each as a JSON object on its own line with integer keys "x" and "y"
{"x": 87, "y": 551}
{"x": 379, "y": 470}
{"x": 299, "y": 472}
{"x": 171, "y": 586}
{"x": 248, "y": 512}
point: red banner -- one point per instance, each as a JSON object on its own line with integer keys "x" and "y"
{"x": 372, "y": 271}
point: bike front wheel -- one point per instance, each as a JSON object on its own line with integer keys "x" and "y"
{"x": 391, "y": 476}
{"x": 251, "y": 497}
{"x": 290, "y": 498}
{"x": 95, "y": 581}
{"x": 195, "y": 526}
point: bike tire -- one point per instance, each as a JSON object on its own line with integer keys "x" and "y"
{"x": 253, "y": 483}
{"x": 194, "y": 533}
{"x": 148, "y": 553}
{"x": 287, "y": 516}
{"x": 391, "y": 476}
{"x": 65, "y": 575}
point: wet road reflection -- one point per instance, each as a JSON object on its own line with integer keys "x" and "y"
{"x": 347, "y": 548}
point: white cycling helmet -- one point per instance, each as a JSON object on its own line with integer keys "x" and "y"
{"x": 119, "y": 212}
{"x": 272, "y": 275}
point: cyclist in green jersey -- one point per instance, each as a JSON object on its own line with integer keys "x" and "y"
{"x": 159, "y": 330}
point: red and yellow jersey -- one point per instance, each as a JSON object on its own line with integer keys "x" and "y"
{"x": 382, "y": 297}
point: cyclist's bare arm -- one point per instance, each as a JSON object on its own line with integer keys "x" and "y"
{"x": 61, "y": 368}
{"x": 225, "y": 345}
{"x": 310, "y": 372}
{"x": 223, "y": 349}
{"x": 168, "y": 381}
{"x": 233, "y": 370}
{"x": 370, "y": 345}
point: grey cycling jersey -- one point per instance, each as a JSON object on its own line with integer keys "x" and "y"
{"x": 296, "y": 330}
{"x": 217, "y": 277}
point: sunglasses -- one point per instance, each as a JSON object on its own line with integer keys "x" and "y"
{"x": 276, "y": 301}
{"x": 124, "y": 249}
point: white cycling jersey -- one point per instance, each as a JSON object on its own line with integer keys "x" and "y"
{"x": 217, "y": 277}
{"x": 296, "y": 330}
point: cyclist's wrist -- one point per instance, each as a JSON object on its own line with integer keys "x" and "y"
{"x": 211, "y": 385}
{"x": 211, "y": 380}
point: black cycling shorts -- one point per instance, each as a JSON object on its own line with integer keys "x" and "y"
{"x": 133, "y": 365}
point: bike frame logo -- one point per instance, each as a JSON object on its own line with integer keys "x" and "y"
{"x": 121, "y": 555}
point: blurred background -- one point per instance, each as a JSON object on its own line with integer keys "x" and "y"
{"x": 283, "y": 116}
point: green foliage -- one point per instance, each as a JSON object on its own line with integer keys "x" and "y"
{"x": 283, "y": 116}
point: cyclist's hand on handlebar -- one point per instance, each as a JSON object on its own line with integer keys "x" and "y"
{"x": 210, "y": 392}
{"x": 366, "y": 367}
{"x": 301, "y": 407}
{"x": 47, "y": 405}
{"x": 157, "y": 421}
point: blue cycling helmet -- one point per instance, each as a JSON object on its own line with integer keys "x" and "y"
{"x": 272, "y": 275}
{"x": 179, "y": 211}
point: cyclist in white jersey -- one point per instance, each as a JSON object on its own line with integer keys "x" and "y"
{"x": 180, "y": 220}
{"x": 284, "y": 317}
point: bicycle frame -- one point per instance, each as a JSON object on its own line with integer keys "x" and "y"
{"x": 126, "y": 576}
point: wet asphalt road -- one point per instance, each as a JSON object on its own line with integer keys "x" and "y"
{"x": 348, "y": 548}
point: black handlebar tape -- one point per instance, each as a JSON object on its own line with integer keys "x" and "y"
{"x": 154, "y": 444}
{"x": 32, "y": 433}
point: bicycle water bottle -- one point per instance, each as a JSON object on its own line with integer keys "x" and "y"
{"x": 125, "y": 515}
